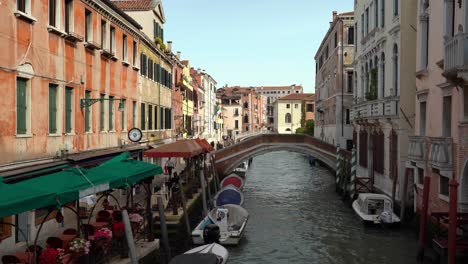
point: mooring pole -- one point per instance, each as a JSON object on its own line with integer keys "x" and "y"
{"x": 423, "y": 222}
{"x": 129, "y": 237}
{"x": 184, "y": 207}
{"x": 452, "y": 229}
{"x": 352, "y": 184}
{"x": 337, "y": 167}
{"x": 203, "y": 187}
{"x": 164, "y": 236}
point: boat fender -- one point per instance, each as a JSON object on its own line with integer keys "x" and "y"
{"x": 211, "y": 234}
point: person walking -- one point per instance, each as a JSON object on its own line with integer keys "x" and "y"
{"x": 170, "y": 167}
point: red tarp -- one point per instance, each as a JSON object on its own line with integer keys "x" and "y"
{"x": 204, "y": 144}
{"x": 181, "y": 149}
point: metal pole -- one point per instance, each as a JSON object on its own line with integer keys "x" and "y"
{"x": 423, "y": 222}
{"x": 184, "y": 207}
{"x": 203, "y": 187}
{"x": 452, "y": 229}
{"x": 164, "y": 236}
{"x": 129, "y": 237}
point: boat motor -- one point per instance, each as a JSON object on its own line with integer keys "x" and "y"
{"x": 211, "y": 234}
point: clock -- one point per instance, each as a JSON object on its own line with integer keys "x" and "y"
{"x": 135, "y": 134}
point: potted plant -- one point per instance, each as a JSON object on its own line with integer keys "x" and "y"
{"x": 51, "y": 256}
{"x": 79, "y": 246}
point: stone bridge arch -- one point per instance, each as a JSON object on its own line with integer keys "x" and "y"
{"x": 229, "y": 158}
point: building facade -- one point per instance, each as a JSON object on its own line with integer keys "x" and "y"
{"x": 177, "y": 96}
{"x": 384, "y": 90}
{"x": 187, "y": 100}
{"x": 70, "y": 88}
{"x": 209, "y": 85}
{"x": 334, "y": 82}
{"x": 290, "y": 112}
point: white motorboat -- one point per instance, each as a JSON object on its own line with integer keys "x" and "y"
{"x": 241, "y": 170}
{"x": 214, "y": 248}
{"x": 375, "y": 208}
{"x": 227, "y": 223}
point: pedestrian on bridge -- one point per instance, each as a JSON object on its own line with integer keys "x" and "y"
{"x": 170, "y": 167}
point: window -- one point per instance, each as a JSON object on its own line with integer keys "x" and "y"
{"x": 143, "y": 117}
{"x": 382, "y": 14}
{"x": 112, "y": 39}
{"x": 246, "y": 118}
{"x": 296, "y": 106}
{"x": 288, "y": 106}
{"x": 111, "y": 113}
{"x": 395, "y": 69}
{"x": 236, "y": 124}
{"x": 443, "y": 185}
{"x": 420, "y": 176}
{"x": 310, "y": 108}
{"x": 21, "y": 5}
{"x": 169, "y": 118}
{"x": 367, "y": 21}
{"x": 54, "y": 11}
{"x": 347, "y": 117}
{"x": 124, "y": 48}
{"x": 376, "y": 13}
{"x": 395, "y": 7}
{"x": 68, "y": 16}
{"x": 447, "y": 116}
{"x": 5, "y": 230}
{"x": 355, "y": 36}
{"x": 424, "y": 35}
{"x": 335, "y": 40}
{"x": 161, "y": 119}
{"x": 134, "y": 114}
{"x": 143, "y": 63}
{"x": 350, "y": 82}
{"x": 422, "y": 118}
{"x": 134, "y": 53}
{"x": 287, "y": 118}
{"x": 363, "y": 148}
{"x": 103, "y": 34}
{"x": 102, "y": 113}
{"x": 124, "y": 115}
{"x": 150, "y": 69}
{"x": 382, "y": 83}
{"x": 326, "y": 52}
{"x": 150, "y": 117}
{"x": 52, "y": 108}
{"x": 88, "y": 113}
{"x": 351, "y": 35}
{"x": 156, "y": 117}
{"x": 69, "y": 110}
{"x": 88, "y": 25}
{"x": 362, "y": 25}
{"x": 22, "y": 106}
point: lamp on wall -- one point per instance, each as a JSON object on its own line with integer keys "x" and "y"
{"x": 87, "y": 102}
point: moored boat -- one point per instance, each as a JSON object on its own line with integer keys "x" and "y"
{"x": 234, "y": 180}
{"x": 226, "y": 223}
{"x": 241, "y": 170}
{"x": 375, "y": 208}
{"x": 221, "y": 253}
{"x": 229, "y": 195}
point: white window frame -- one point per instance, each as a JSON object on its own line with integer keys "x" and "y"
{"x": 112, "y": 43}
{"x": 58, "y": 14}
{"x": 125, "y": 47}
{"x": 90, "y": 36}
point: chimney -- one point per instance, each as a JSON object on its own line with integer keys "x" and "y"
{"x": 178, "y": 55}
{"x": 169, "y": 46}
{"x": 334, "y": 15}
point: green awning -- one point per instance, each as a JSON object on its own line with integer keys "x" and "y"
{"x": 58, "y": 189}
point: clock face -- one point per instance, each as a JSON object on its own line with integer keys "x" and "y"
{"x": 134, "y": 134}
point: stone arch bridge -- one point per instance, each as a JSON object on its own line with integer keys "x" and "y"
{"x": 229, "y": 158}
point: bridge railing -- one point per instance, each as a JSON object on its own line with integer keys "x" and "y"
{"x": 250, "y": 134}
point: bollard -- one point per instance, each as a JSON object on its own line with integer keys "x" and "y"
{"x": 164, "y": 236}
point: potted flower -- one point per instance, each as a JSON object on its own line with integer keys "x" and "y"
{"x": 79, "y": 246}
{"x": 103, "y": 233}
{"x": 51, "y": 256}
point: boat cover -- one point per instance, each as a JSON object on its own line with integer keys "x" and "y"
{"x": 196, "y": 258}
{"x": 236, "y": 216}
{"x": 234, "y": 180}
{"x": 229, "y": 195}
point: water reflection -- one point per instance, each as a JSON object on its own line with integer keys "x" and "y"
{"x": 296, "y": 217}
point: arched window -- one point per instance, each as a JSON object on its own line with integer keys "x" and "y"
{"x": 395, "y": 69}
{"x": 246, "y": 118}
{"x": 382, "y": 81}
{"x": 287, "y": 118}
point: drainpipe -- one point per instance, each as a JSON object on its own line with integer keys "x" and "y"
{"x": 342, "y": 77}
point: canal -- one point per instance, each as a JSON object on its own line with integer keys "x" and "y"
{"x": 296, "y": 217}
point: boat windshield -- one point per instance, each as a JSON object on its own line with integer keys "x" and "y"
{"x": 375, "y": 206}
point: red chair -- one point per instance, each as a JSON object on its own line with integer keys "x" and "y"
{"x": 54, "y": 242}
{"x": 10, "y": 259}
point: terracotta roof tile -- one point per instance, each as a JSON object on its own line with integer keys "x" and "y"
{"x": 300, "y": 96}
{"x": 135, "y": 5}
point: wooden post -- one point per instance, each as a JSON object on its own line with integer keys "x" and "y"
{"x": 164, "y": 236}
{"x": 129, "y": 237}
{"x": 452, "y": 229}
{"x": 184, "y": 207}
{"x": 203, "y": 187}
{"x": 207, "y": 178}
{"x": 423, "y": 222}
{"x": 405, "y": 193}
{"x": 149, "y": 213}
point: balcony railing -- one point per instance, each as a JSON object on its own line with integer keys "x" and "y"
{"x": 440, "y": 152}
{"x": 375, "y": 109}
{"x": 456, "y": 55}
{"x": 417, "y": 148}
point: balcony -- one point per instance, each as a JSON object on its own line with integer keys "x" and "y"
{"x": 375, "y": 109}
{"x": 417, "y": 148}
{"x": 456, "y": 58}
{"x": 440, "y": 153}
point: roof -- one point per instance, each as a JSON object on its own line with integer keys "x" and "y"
{"x": 122, "y": 13}
{"x": 135, "y": 5}
{"x": 269, "y": 88}
{"x": 299, "y": 96}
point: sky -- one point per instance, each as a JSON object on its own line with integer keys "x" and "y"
{"x": 251, "y": 42}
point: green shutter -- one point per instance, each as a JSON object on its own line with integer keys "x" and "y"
{"x": 68, "y": 109}
{"x": 21, "y": 106}
{"x": 102, "y": 114}
{"x": 87, "y": 113}
{"x": 143, "y": 118}
{"x": 52, "y": 108}
{"x": 150, "y": 117}
{"x": 156, "y": 117}
{"x": 111, "y": 113}
{"x": 161, "y": 117}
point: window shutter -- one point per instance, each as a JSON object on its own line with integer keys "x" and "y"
{"x": 143, "y": 117}
{"x": 161, "y": 119}
{"x": 102, "y": 114}
{"x": 68, "y": 110}
{"x": 155, "y": 72}
{"x": 111, "y": 113}
{"x": 141, "y": 63}
{"x": 21, "y": 106}
{"x": 52, "y": 108}
{"x": 158, "y": 75}
{"x": 155, "y": 117}
{"x": 162, "y": 34}
{"x": 150, "y": 117}
{"x": 170, "y": 80}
